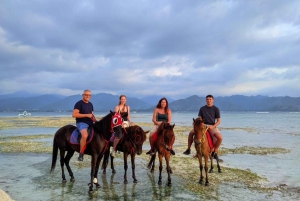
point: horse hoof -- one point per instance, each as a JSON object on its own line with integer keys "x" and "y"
{"x": 125, "y": 182}
{"x": 211, "y": 171}
{"x": 64, "y": 181}
{"x": 97, "y": 185}
{"x": 91, "y": 191}
{"x": 72, "y": 180}
{"x": 220, "y": 171}
{"x": 135, "y": 181}
{"x": 169, "y": 184}
{"x": 113, "y": 171}
{"x": 206, "y": 184}
{"x": 159, "y": 182}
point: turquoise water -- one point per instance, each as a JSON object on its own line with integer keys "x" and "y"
{"x": 274, "y": 129}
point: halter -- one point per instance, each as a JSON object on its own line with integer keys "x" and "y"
{"x": 116, "y": 120}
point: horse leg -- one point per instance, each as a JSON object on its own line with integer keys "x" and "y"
{"x": 153, "y": 162}
{"x": 211, "y": 164}
{"x": 160, "y": 168}
{"x": 105, "y": 160}
{"x": 95, "y": 180}
{"x": 219, "y": 168}
{"x": 67, "y": 162}
{"x": 112, "y": 164}
{"x": 93, "y": 168}
{"x": 201, "y": 168}
{"x": 206, "y": 170}
{"x": 62, "y": 162}
{"x": 133, "y": 167}
{"x": 125, "y": 155}
{"x": 167, "y": 157}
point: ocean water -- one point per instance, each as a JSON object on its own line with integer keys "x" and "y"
{"x": 255, "y": 129}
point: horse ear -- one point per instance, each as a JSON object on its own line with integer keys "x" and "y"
{"x": 173, "y": 125}
{"x": 147, "y": 132}
{"x": 111, "y": 112}
{"x": 194, "y": 120}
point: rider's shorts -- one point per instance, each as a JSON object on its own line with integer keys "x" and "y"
{"x": 81, "y": 126}
{"x": 214, "y": 131}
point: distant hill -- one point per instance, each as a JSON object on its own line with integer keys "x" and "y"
{"x": 101, "y": 102}
{"x": 240, "y": 103}
{"x": 105, "y": 102}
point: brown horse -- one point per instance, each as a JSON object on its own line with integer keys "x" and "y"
{"x": 203, "y": 149}
{"x": 96, "y": 148}
{"x": 131, "y": 143}
{"x": 165, "y": 140}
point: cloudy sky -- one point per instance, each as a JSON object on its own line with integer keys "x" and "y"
{"x": 139, "y": 47}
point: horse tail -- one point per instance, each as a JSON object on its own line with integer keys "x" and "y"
{"x": 54, "y": 154}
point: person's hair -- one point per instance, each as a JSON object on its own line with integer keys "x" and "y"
{"x": 159, "y": 104}
{"x": 123, "y": 109}
{"x": 87, "y": 90}
{"x": 210, "y": 96}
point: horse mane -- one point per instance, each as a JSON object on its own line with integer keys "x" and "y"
{"x": 131, "y": 130}
{"x": 164, "y": 126}
{"x": 103, "y": 126}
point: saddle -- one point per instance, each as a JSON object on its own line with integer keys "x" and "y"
{"x": 211, "y": 140}
{"x": 76, "y": 136}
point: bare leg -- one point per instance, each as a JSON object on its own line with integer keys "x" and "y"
{"x": 190, "y": 142}
{"x": 219, "y": 137}
{"x": 84, "y": 135}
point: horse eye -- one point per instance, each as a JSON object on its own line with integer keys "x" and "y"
{"x": 115, "y": 120}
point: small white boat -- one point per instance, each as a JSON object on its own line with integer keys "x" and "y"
{"x": 24, "y": 114}
{"x": 262, "y": 112}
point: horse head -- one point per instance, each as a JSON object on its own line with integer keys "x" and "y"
{"x": 116, "y": 122}
{"x": 166, "y": 130}
{"x": 199, "y": 127}
{"x": 137, "y": 136}
{"x": 112, "y": 122}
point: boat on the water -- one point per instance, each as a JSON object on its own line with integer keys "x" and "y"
{"x": 24, "y": 114}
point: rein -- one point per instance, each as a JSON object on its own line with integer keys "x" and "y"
{"x": 202, "y": 140}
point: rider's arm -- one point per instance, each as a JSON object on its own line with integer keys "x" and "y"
{"x": 217, "y": 123}
{"x": 128, "y": 117}
{"x": 154, "y": 117}
{"x": 76, "y": 114}
{"x": 169, "y": 116}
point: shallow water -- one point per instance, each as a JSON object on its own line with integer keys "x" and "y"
{"x": 239, "y": 129}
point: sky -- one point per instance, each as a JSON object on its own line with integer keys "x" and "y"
{"x": 143, "y": 47}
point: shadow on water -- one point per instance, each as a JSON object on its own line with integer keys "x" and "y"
{"x": 26, "y": 177}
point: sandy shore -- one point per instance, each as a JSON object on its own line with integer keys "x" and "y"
{"x": 4, "y": 196}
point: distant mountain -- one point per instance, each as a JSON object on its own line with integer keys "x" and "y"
{"x": 153, "y": 100}
{"x": 16, "y": 94}
{"x": 105, "y": 102}
{"x": 240, "y": 103}
{"x": 101, "y": 102}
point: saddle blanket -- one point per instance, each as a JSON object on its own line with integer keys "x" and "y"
{"x": 211, "y": 140}
{"x": 76, "y": 136}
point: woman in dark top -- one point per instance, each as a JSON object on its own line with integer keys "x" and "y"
{"x": 161, "y": 113}
{"x": 125, "y": 113}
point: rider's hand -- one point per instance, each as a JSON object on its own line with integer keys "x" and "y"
{"x": 89, "y": 115}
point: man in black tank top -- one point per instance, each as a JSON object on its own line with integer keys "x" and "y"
{"x": 210, "y": 114}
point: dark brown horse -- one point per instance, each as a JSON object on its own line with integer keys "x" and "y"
{"x": 165, "y": 140}
{"x": 96, "y": 148}
{"x": 203, "y": 149}
{"x": 131, "y": 144}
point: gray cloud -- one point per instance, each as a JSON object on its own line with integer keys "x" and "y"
{"x": 141, "y": 48}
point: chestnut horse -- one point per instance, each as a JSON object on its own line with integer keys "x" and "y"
{"x": 203, "y": 149}
{"x": 131, "y": 143}
{"x": 96, "y": 148}
{"x": 165, "y": 140}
